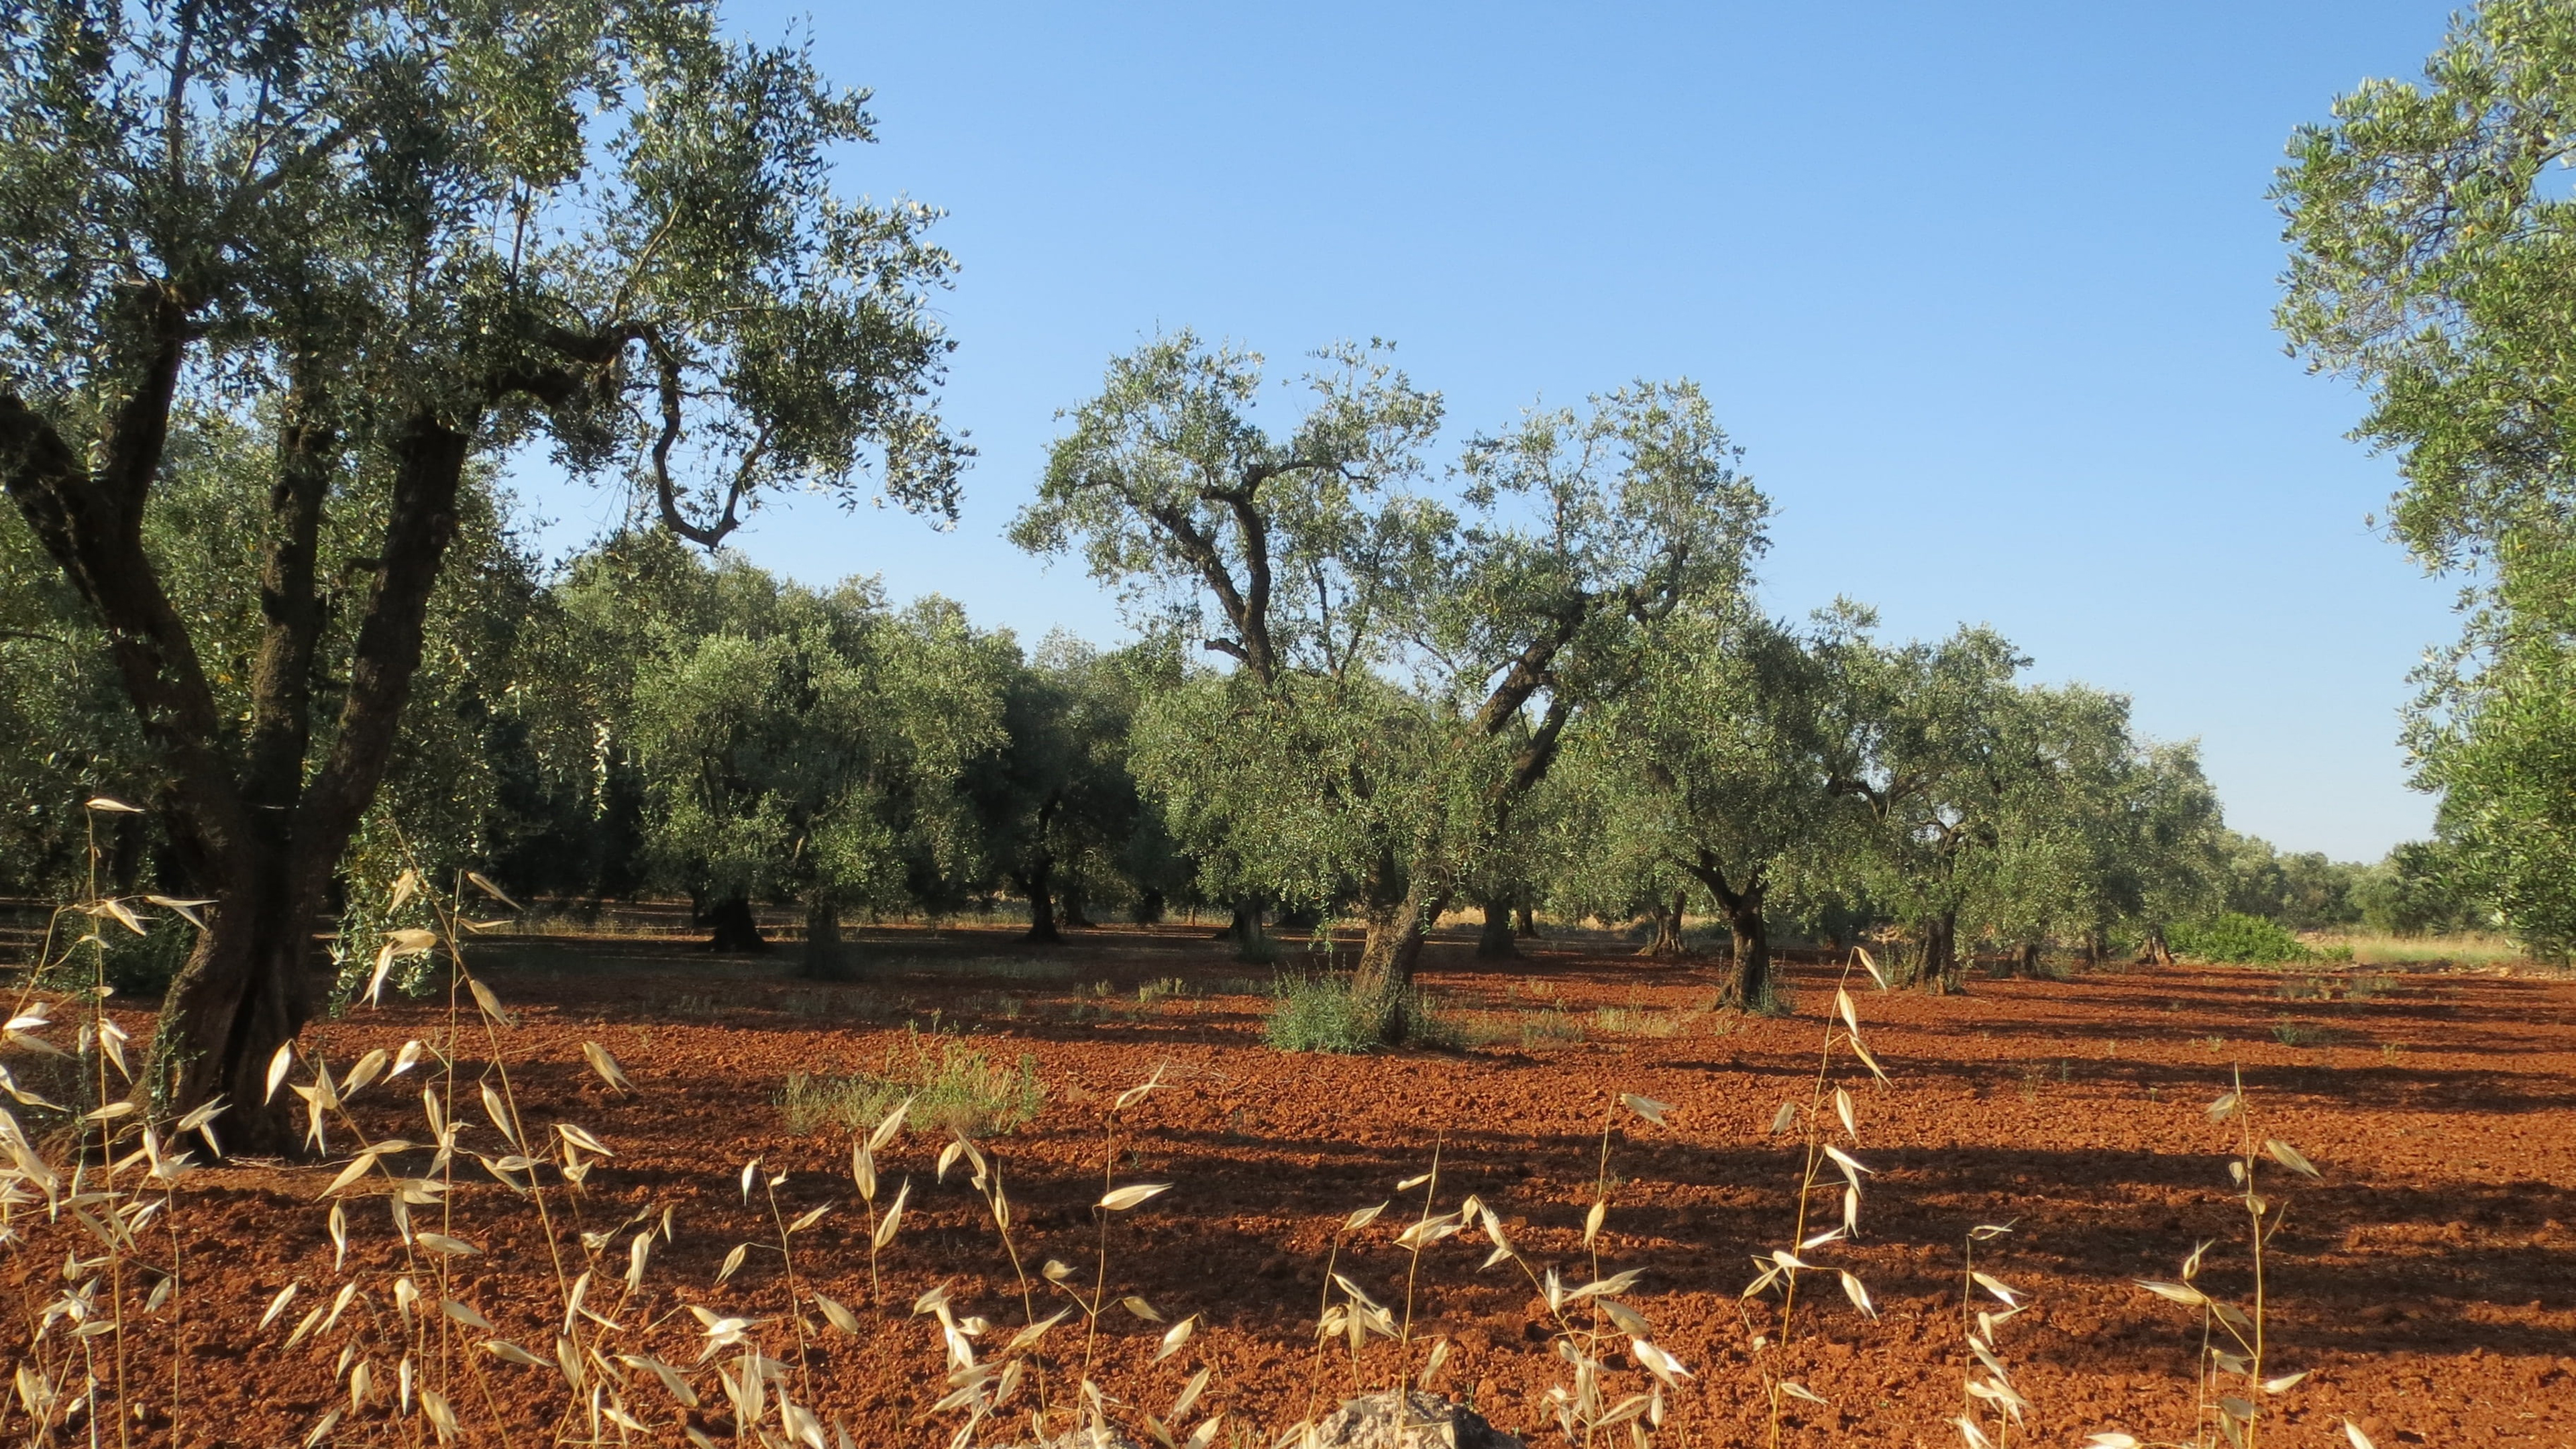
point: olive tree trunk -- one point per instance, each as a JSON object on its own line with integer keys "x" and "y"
{"x": 827, "y": 956}
{"x": 1667, "y": 943}
{"x": 732, "y": 928}
{"x": 1940, "y": 969}
{"x": 261, "y": 828}
{"x": 1037, "y": 883}
{"x": 1390, "y": 950}
{"x": 1495, "y": 942}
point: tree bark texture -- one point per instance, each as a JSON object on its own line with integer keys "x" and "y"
{"x": 1940, "y": 970}
{"x": 1741, "y": 903}
{"x": 1397, "y": 923}
{"x": 1037, "y": 878}
{"x": 1667, "y": 943}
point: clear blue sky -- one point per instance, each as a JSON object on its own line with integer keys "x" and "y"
{"x": 1983, "y": 290}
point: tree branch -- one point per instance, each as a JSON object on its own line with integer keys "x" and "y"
{"x": 91, "y": 522}
{"x": 419, "y": 526}
{"x": 282, "y": 678}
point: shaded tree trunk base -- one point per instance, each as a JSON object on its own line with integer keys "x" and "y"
{"x": 1245, "y": 926}
{"x": 1495, "y": 942}
{"x": 1940, "y": 970}
{"x": 1750, "y": 987}
{"x": 1667, "y": 944}
{"x": 827, "y": 956}
{"x": 734, "y": 930}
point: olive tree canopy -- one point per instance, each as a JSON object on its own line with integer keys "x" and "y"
{"x": 405, "y": 238}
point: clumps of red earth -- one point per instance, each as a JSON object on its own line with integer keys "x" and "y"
{"x": 2426, "y": 1283}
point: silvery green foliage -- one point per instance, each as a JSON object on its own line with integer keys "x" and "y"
{"x": 2431, "y": 262}
{"x": 1408, "y": 651}
{"x": 812, "y": 745}
{"x": 609, "y": 221}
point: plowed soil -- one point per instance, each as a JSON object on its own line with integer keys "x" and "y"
{"x": 2426, "y": 1283}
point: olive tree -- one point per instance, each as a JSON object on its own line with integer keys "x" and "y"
{"x": 813, "y": 748}
{"x": 2431, "y": 262}
{"x": 1944, "y": 758}
{"x": 1405, "y": 665}
{"x": 1729, "y": 775}
{"x": 1059, "y": 807}
{"x": 407, "y": 238}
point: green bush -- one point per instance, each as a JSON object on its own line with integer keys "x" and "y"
{"x": 1319, "y": 1014}
{"x": 2238, "y": 938}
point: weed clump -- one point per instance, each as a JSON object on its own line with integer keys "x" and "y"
{"x": 952, "y": 1087}
{"x": 1311, "y": 1013}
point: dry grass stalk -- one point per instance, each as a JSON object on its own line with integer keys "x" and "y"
{"x": 1780, "y": 1268}
{"x": 1993, "y": 1394}
{"x": 2234, "y": 1341}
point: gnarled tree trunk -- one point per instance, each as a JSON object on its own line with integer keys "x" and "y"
{"x": 1038, "y": 884}
{"x": 827, "y": 956}
{"x": 1494, "y": 942}
{"x": 1244, "y": 924}
{"x": 1750, "y": 986}
{"x": 1391, "y": 949}
{"x": 1070, "y": 906}
{"x": 1667, "y": 943}
{"x": 1524, "y": 919}
{"x": 1940, "y": 969}
{"x": 262, "y": 829}
{"x": 732, "y": 928}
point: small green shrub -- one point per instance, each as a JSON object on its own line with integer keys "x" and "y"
{"x": 2290, "y": 1033}
{"x": 1773, "y": 999}
{"x": 1317, "y": 1014}
{"x": 1311, "y": 1013}
{"x": 2363, "y": 985}
{"x": 2238, "y": 938}
{"x": 953, "y": 1088}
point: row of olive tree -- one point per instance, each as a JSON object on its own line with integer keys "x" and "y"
{"x": 1852, "y": 784}
{"x": 1540, "y": 671}
{"x": 1405, "y": 660}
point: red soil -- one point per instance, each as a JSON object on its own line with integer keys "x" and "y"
{"x": 2427, "y": 1283}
